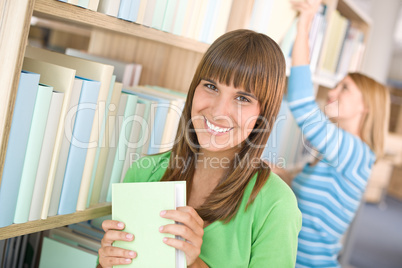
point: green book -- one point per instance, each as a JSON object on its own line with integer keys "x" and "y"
{"x": 60, "y": 255}
{"x": 31, "y": 161}
{"x": 138, "y": 205}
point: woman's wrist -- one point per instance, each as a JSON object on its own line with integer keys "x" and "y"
{"x": 198, "y": 264}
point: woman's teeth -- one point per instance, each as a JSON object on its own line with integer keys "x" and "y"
{"x": 217, "y": 129}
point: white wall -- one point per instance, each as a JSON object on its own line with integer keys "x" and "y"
{"x": 379, "y": 50}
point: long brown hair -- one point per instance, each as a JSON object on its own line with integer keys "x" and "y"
{"x": 254, "y": 62}
{"x": 374, "y": 123}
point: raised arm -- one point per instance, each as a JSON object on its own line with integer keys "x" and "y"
{"x": 307, "y": 11}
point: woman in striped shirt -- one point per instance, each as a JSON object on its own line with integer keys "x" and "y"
{"x": 348, "y": 136}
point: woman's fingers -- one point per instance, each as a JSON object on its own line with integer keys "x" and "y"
{"x": 183, "y": 231}
{"x": 110, "y": 256}
{"x": 187, "y": 217}
{"x": 112, "y": 225}
{"x": 112, "y": 235}
{"x": 188, "y": 248}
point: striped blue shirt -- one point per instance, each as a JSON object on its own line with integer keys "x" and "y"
{"x": 330, "y": 192}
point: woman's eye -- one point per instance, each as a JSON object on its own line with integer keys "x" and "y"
{"x": 242, "y": 99}
{"x": 211, "y": 86}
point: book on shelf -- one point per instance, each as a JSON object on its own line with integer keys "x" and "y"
{"x": 109, "y": 7}
{"x": 46, "y": 156}
{"x": 159, "y": 14}
{"x": 121, "y": 150}
{"x": 108, "y": 109}
{"x": 143, "y": 220}
{"x": 62, "y": 80}
{"x": 170, "y": 14}
{"x": 124, "y": 10}
{"x": 102, "y": 186}
{"x": 149, "y": 13}
{"x": 141, "y": 11}
{"x": 55, "y": 253}
{"x": 134, "y": 8}
{"x": 17, "y": 145}
{"x": 90, "y": 70}
{"x": 210, "y": 20}
{"x": 32, "y": 155}
{"x": 126, "y": 73}
{"x": 79, "y": 143}
{"x": 70, "y": 236}
{"x": 103, "y": 149}
{"x": 179, "y": 18}
{"x": 57, "y": 181}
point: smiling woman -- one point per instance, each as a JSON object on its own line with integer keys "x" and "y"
{"x": 239, "y": 213}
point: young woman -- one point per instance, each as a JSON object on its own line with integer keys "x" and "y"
{"x": 330, "y": 190}
{"x": 239, "y": 214}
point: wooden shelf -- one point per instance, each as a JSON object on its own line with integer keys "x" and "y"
{"x": 54, "y": 222}
{"x": 67, "y": 13}
{"x": 352, "y": 12}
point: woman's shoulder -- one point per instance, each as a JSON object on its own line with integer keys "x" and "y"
{"x": 148, "y": 168}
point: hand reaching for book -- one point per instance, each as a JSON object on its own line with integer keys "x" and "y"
{"x": 191, "y": 229}
{"x": 110, "y": 255}
{"x": 307, "y": 10}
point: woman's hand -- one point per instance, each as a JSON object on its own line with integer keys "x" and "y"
{"x": 191, "y": 229}
{"x": 307, "y": 10}
{"x": 110, "y": 255}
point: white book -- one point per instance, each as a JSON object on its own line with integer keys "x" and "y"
{"x": 46, "y": 155}
{"x": 113, "y": 148}
{"x": 109, "y": 7}
{"x": 65, "y": 146}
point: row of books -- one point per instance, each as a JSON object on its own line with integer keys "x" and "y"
{"x": 341, "y": 51}
{"x": 75, "y": 245}
{"x": 72, "y": 131}
{"x": 202, "y": 20}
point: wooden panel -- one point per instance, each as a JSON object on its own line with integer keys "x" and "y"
{"x": 163, "y": 65}
{"x": 13, "y": 40}
{"x": 54, "y": 222}
{"x": 63, "y": 12}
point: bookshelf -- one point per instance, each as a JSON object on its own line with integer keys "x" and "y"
{"x": 169, "y": 61}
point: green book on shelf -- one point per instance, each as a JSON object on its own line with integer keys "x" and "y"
{"x": 61, "y": 255}
{"x": 138, "y": 205}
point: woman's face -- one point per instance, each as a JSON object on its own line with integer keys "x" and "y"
{"x": 345, "y": 101}
{"x": 222, "y": 116}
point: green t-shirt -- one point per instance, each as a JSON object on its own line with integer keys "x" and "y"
{"x": 263, "y": 236}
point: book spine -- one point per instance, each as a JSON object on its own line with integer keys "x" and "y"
{"x": 17, "y": 145}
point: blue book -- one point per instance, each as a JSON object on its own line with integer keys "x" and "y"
{"x": 32, "y": 155}
{"x": 134, "y": 8}
{"x": 124, "y": 9}
{"x": 17, "y": 145}
{"x": 159, "y": 122}
{"x": 78, "y": 147}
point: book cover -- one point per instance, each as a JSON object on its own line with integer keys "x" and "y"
{"x": 83, "y": 3}
{"x": 90, "y": 70}
{"x": 99, "y": 169}
{"x": 201, "y": 19}
{"x": 80, "y": 141}
{"x": 220, "y": 26}
{"x": 46, "y": 155}
{"x": 109, "y": 7}
{"x": 34, "y": 146}
{"x": 109, "y": 159}
{"x": 17, "y": 145}
{"x": 138, "y": 205}
{"x": 121, "y": 150}
{"x": 209, "y": 21}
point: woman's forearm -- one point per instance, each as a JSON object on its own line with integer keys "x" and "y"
{"x": 301, "y": 51}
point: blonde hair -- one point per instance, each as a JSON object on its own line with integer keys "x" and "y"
{"x": 254, "y": 62}
{"x": 374, "y": 123}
